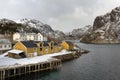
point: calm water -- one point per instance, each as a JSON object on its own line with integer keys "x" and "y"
{"x": 102, "y": 63}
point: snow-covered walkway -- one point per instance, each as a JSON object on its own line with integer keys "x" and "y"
{"x": 7, "y": 62}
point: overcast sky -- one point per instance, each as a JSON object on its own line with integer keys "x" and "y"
{"x": 62, "y": 15}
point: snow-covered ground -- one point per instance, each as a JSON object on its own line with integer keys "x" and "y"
{"x": 10, "y": 62}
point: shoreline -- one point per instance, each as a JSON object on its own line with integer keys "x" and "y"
{"x": 99, "y": 43}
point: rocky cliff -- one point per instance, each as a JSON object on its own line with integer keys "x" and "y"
{"x": 106, "y": 29}
{"x": 78, "y": 33}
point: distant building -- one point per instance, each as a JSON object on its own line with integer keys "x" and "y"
{"x": 28, "y": 37}
{"x": 5, "y": 44}
{"x": 67, "y": 45}
{"x": 36, "y": 48}
{"x": 1, "y": 36}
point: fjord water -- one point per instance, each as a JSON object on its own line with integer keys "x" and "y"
{"x": 102, "y": 63}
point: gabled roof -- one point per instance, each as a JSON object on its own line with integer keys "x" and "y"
{"x": 45, "y": 43}
{"x": 14, "y": 51}
{"x": 68, "y": 42}
{"x": 29, "y": 44}
{"x": 56, "y": 44}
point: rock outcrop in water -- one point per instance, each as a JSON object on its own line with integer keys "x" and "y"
{"x": 106, "y": 29}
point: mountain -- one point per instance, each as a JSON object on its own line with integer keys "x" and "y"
{"x": 32, "y": 23}
{"x": 45, "y": 29}
{"x": 78, "y": 33}
{"x": 106, "y": 29}
{"x": 59, "y": 34}
{"x": 28, "y": 25}
{"x": 8, "y": 26}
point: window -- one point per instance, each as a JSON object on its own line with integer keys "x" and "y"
{"x": 0, "y": 46}
{"x": 52, "y": 44}
{"x": 9, "y": 46}
{"x": 40, "y": 49}
{"x": 51, "y": 47}
{"x": 5, "y": 46}
{"x": 40, "y": 45}
{"x": 35, "y": 38}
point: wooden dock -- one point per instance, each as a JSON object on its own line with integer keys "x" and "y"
{"x": 12, "y": 71}
{"x": 51, "y": 64}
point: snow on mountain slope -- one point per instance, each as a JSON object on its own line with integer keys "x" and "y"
{"x": 80, "y": 31}
{"x": 106, "y": 29}
{"x": 43, "y": 28}
{"x": 29, "y": 26}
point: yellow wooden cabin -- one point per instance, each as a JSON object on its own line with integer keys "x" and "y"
{"x": 32, "y": 48}
{"x": 43, "y": 48}
{"x": 67, "y": 45}
{"x": 54, "y": 47}
{"x": 29, "y": 47}
{"x": 47, "y": 47}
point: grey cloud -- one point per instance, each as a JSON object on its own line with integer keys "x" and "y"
{"x": 60, "y": 14}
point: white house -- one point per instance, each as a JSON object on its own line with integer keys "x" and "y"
{"x": 28, "y": 36}
{"x": 5, "y": 44}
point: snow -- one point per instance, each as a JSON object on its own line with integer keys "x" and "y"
{"x": 15, "y": 51}
{"x": 102, "y": 37}
{"x": 9, "y": 62}
{"x": 36, "y": 25}
{"x": 81, "y": 31}
{"x": 99, "y": 30}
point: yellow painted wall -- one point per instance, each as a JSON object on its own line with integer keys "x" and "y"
{"x": 55, "y": 49}
{"x": 66, "y": 46}
{"x": 49, "y": 50}
{"x": 41, "y": 52}
{"x": 71, "y": 47}
{"x": 20, "y": 46}
{"x": 30, "y": 50}
{"x": 44, "y": 52}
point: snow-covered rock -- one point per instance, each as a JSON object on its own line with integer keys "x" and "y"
{"x": 43, "y": 28}
{"x": 80, "y": 31}
{"x": 106, "y": 29}
{"x": 59, "y": 34}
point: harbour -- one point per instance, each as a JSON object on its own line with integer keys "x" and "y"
{"x": 54, "y": 62}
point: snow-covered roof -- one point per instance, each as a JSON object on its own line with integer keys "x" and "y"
{"x": 15, "y": 51}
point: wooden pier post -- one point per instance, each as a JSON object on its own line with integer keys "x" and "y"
{"x": 3, "y": 74}
{"x": 0, "y": 74}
